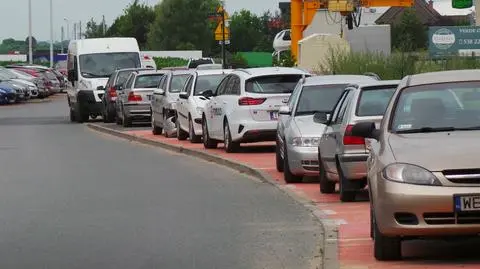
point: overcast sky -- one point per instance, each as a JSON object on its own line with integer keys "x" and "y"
{"x": 14, "y": 18}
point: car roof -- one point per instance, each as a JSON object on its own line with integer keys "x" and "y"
{"x": 266, "y": 71}
{"x": 364, "y": 84}
{"x": 149, "y": 72}
{"x": 441, "y": 77}
{"x": 337, "y": 79}
{"x": 182, "y": 71}
{"x": 207, "y": 72}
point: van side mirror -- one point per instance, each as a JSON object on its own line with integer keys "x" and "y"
{"x": 322, "y": 117}
{"x": 284, "y": 110}
{"x": 366, "y": 130}
{"x": 159, "y": 92}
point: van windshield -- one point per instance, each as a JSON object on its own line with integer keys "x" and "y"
{"x": 102, "y": 65}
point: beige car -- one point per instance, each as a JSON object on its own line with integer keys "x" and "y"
{"x": 423, "y": 168}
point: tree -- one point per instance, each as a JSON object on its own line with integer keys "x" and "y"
{"x": 182, "y": 24}
{"x": 135, "y": 22}
{"x": 410, "y": 34}
{"x": 271, "y": 25}
{"x": 245, "y": 30}
{"x": 94, "y": 29}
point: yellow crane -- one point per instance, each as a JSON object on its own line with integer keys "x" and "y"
{"x": 303, "y": 12}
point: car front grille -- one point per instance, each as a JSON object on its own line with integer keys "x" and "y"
{"x": 450, "y": 218}
{"x": 463, "y": 176}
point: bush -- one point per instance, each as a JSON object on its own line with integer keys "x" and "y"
{"x": 237, "y": 61}
{"x": 163, "y": 62}
{"x": 286, "y": 59}
{"x": 5, "y": 63}
{"x": 395, "y": 66}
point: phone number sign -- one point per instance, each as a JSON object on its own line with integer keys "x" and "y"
{"x": 454, "y": 40}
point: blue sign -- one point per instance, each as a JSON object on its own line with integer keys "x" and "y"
{"x": 454, "y": 40}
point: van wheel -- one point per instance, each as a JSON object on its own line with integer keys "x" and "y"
{"x": 288, "y": 176}
{"x": 72, "y": 115}
{"x": 326, "y": 186}
{"x": 80, "y": 115}
{"x": 385, "y": 248}
{"x": 278, "y": 157}
{"x": 208, "y": 143}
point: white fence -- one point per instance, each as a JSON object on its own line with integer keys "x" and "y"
{"x": 13, "y": 57}
{"x": 184, "y": 54}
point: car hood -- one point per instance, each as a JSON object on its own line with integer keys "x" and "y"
{"x": 437, "y": 151}
{"x": 6, "y": 87}
{"x": 307, "y": 127}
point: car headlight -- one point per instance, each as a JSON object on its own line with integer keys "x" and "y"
{"x": 410, "y": 174}
{"x": 199, "y": 110}
{"x": 305, "y": 141}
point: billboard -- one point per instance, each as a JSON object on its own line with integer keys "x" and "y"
{"x": 454, "y": 40}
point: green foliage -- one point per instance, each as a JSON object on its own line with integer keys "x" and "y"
{"x": 286, "y": 59}
{"x": 163, "y": 62}
{"x": 238, "y": 61}
{"x": 183, "y": 24}
{"x": 395, "y": 66}
{"x": 410, "y": 34}
{"x": 5, "y": 63}
{"x": 95, "y": 30}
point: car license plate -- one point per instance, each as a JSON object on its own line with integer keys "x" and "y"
{"x": 274, "y": 115}
{"x": 466, "y": 203}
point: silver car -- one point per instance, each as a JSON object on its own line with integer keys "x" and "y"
{"x": 133, "y": 102}
{"x": 165, "y": 99}
{"x": 297, "y": 134}
{"x": 342, "y": 157}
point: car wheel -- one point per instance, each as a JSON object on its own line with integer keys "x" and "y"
{"x": 80, "y": 116}
{"x": 278, "y": 157}
{"x": 326, "y": 186}
{"x": 346, "y": 192}
{"x": 229, "y": 145}
{"x": 181, "y": 134}
{"x": 191, "y": 133}
{"x": 72, "y": 115}
{"x": 208, "y": 143}
{"x": 155, "y": 129}
{"x": 126, "y": 122}
{"x": 385, "y": 248}
{"x": 287, "y": 174}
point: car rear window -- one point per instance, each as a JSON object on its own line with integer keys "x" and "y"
{"x": 319, "y": 98}
{"x": 148, "y": 81}
{"x": 272, "y": 84}
{"x": 373, "y": 101}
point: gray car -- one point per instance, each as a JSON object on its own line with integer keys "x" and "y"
{"x": 133, "y": 102}
{"x": 342, "y": 157}
{"x": 297, "y": 133}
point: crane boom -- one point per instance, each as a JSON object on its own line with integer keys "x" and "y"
{"x": 303, "y": 12}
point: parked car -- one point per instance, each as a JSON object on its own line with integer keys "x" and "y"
{"x": 209, "y": 66}
{"x": 133, "y": 102}
{"x": 245, "y": 106}
{"x": 297, "y": 134}
{"x": 14, "y": 88}
{"x": 199, "y": 87}
{"x": 148, "y": 62}
{"x": 38, "y": 74}
{"x": 195, "y": 62}
{"x": 165, "y": 99}
{"x": 113, "y": 86}
{"x": 61, "y": 66}
{"x": 10, "y": 92}
{"x": 38, "y": 82}
{"x": 343, "y": 157}
{"x": 29, "y": 88}
{"x": 3, "y": 97}
{"x": 423, "y": 180}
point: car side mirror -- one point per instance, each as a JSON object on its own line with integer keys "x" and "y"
{"x": 366, "y": 130}
{"x": 284, "y": 110}
{"x": 159, "y": 92}
{"x": 322, "y": 117}
{"x": 183, "y": 95}
{"x": 100, "y": 88}
{"x": 208, "y": 93}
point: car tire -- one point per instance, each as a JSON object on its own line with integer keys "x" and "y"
{"x": 385, "y": 248}
{"x": 278, "y": 157}
{"x": 80, "y": 116}
{"x": 326, "y": 186}
{"x": 208, "y": 143}
{"x": 126, "y": 122}
{"x": 191, "y": 133}
{"x": 346, "y": 194}
{"x": 287, "y": 174}
{"x": 155, "y": 129}
{"x": 181, "y": 134}
{"x": 72, "y": 115}
{"x": 107, "y": 115}
{"x": 229, "y": 145}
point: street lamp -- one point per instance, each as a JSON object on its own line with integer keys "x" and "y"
{"x": 30, "y": 45}
{"x": 68, "y": 28}
{"x": 51, "y": 33}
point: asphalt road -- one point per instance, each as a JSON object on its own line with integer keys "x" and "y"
{"x": 73, "y": 198}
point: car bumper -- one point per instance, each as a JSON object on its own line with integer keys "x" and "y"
{"x": 253, "y": 131}
{"x": 138, "y": 111}
{"x": 303, "y": 160}
{"x": 354, "y": 166}
{"x": 415, "y": 210}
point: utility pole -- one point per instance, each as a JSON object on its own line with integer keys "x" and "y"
{"x": 104, "y": 26}
{"x": 62, "y": 34}
{"x": 51, "y": 33}
{"x": 30, "y": 41}
{"x": 68, "y": 28}
{"x": 224, "y": 56}
{"x": 74, "y": 31}
{"x": 80, "y": 30}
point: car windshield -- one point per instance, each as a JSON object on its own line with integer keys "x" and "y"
{"x": 373, "y": 101}
{"x": 207, "y": 82}
{"x": 437, "y": 107}
{"x": 272, "y": 84}
{"x": 195, "y": 63}
{"x": 102, "y": 65}
{"x": 148, "y": 81}
{"x": 318, "y": 98}
{"x": 178, "y": 82}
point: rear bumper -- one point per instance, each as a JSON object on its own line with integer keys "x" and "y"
{"x": 137, "y": 111}
{"x": 253, "y": 131}
{"x": 354, "y": 166}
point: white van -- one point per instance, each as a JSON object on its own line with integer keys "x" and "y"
{"x": 90, "y": 64}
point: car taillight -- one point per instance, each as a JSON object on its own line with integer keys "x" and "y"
{"x": 134, "y": 97}
{"x": 250, "y": 101}
{"x": 348, "y": 139}
{"x": 112, "y": 92}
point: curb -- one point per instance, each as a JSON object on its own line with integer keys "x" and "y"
{"x": 327, "y": 254}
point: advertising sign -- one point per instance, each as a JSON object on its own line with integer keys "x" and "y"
{"x": 454, "y": 40}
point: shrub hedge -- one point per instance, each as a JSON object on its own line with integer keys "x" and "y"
{"x": 163, "y": 62}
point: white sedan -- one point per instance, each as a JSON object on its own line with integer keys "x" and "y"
{"x": 199, "y": 88}
{"x": 245, "y": 107}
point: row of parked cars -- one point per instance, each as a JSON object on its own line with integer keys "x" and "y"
{"x": 21, "y": 82}
{"x": 413, "y": 141}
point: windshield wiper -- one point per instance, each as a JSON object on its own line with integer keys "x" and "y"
{"x": 92, "y": 75}
{"x": 427, "y": 130}
{"x": 310, "y": 112}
